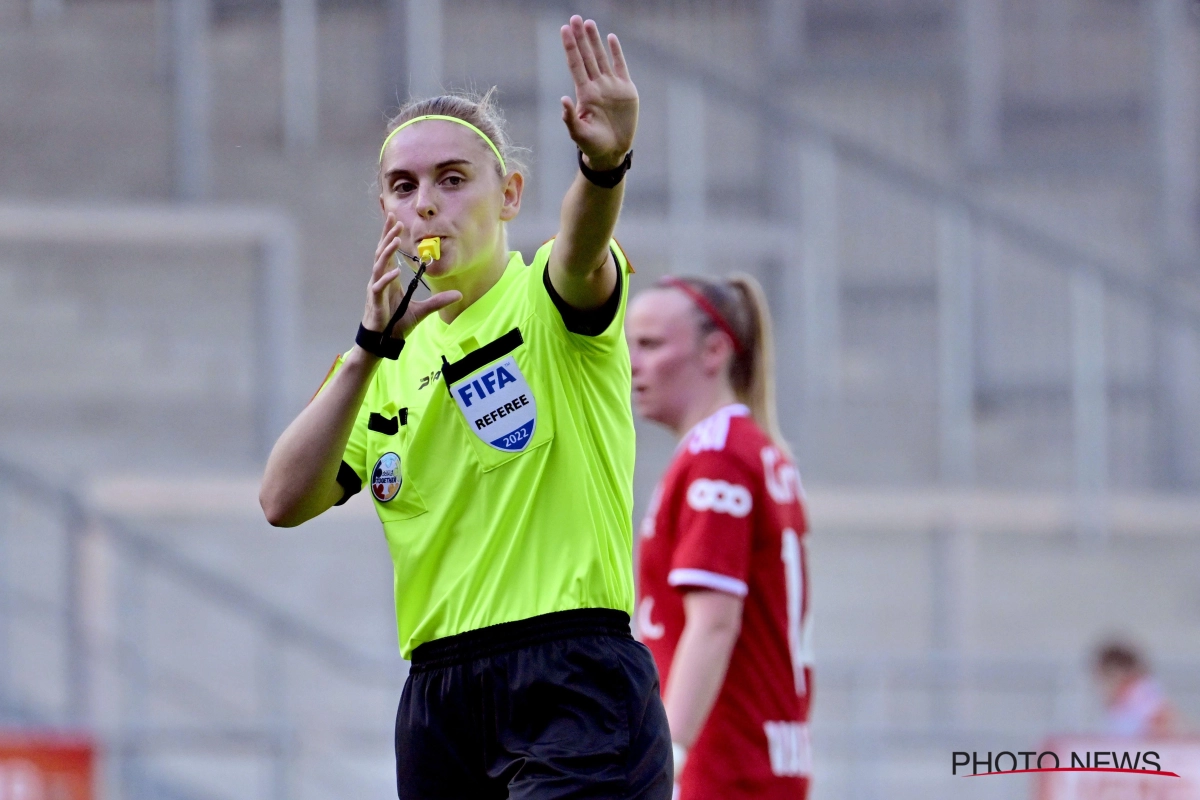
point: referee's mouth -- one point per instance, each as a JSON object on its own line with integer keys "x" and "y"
{"x": 422, "y": 237}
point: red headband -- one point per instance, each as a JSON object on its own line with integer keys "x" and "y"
{"x": 704, "y": 305}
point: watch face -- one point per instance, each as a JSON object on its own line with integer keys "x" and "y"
{"x": 386, "y": 478}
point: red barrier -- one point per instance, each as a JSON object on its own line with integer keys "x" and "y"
{"x": 46, "y": 766}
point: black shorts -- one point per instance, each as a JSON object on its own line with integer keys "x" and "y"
{"x": 563, "y": 705}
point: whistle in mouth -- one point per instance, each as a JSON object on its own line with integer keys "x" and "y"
{"x": 429, "y": 249}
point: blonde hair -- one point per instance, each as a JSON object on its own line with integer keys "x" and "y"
{"x": 481, "y": 110}
{"x": 742, "y": 305}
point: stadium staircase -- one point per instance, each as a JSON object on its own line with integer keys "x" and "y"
{"x": 145, "y": 420}
{"x": 195, "y": 683}
{"x": 101, "y": 89}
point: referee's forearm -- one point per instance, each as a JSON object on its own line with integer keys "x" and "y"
{"x": 300, "y": 480}
{"x": 588, "y": 219}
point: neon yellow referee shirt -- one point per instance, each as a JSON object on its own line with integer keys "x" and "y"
{"x": 499, "y": 452}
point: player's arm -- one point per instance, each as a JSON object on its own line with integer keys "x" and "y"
{"x": 601, "y": 121}
{"x": 711, "y": 566}
{"x": 300, "y": 480}
{"x": 714, "y": 620}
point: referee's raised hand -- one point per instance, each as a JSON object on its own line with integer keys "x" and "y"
{"x": 603, "y": 117}
{"x": 384, "y": 292}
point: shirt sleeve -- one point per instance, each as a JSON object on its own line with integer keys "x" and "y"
{"x": 353, "y": 472}
{"x": 591, "y": 338}
{"x": 715, "y": 527}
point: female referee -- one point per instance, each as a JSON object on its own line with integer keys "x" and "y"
{"x": 722, "y": 572}
{"x": 497, "y": 442}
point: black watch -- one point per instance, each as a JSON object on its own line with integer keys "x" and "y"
{"x": 606, "y": 179}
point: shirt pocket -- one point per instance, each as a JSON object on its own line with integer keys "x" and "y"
{"x": 394, "y": 496}
{"x": 502, "y": 403}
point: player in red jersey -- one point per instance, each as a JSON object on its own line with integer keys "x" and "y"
{"x": 723, "y": 571}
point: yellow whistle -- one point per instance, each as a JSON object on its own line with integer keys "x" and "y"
{"x": 429, "y": 249}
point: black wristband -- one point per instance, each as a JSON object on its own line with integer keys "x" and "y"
{"x": 379, "y": 343}
{"x": 606, "y": 179}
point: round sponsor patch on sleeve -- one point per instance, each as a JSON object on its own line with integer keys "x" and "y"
{"x": 386, "y": 477}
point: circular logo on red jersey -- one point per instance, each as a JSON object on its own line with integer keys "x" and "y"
{"x": 386, "y": 478}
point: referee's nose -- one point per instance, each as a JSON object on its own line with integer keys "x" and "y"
{"x": 426, "y": 202}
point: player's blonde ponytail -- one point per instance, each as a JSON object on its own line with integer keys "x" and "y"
{"x": 740, "y": 303}
{"x": 753, "y": 372}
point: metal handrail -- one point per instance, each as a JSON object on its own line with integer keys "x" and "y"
{"x": 134, "y": 740}
{"x": 219, "y": 588}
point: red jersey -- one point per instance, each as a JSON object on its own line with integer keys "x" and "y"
{"x": 729, "y": 516}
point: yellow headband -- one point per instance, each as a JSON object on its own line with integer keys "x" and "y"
{"x": 462, "y": 122}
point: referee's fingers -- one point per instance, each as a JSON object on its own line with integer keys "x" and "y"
{"x": 381, "y": 284}
{"x": 620, "y": 68}
{"x": 583, "y": 40}
{"x": 383, "y": 259}
{"x": 574, "y": 58}
{"x": 420, "y": 309}
{"x": 599, "y": 51}
{"x": 437, "y": 302}
{"x": 391, "y": 232}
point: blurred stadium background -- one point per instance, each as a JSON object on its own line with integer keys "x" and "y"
{"x": 977, "y": 220}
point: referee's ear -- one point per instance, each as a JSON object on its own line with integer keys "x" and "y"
{"x": 514, "y": 189}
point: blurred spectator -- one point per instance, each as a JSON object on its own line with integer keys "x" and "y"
{"x": 1134, "y": 702}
